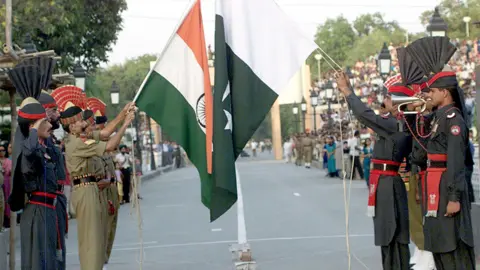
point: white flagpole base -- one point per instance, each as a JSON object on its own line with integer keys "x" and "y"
{"x": 242, "y": 257}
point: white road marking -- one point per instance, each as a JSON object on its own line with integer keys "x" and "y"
{"x": 135, "y": 244}
{"x": 296, "y": 194}
{"x": 192, "y": 244}
{"x": 217, "y": 230}
{"x": 360, "y": 261}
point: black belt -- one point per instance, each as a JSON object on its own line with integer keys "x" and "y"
{"x": 385, "y": 167}
{"x": 436, "y": 164}
{"x": 42, "y": 198}
{"x": 84, "y": 180}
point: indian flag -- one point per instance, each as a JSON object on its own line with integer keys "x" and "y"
{"x": 258, "y": 49}
{"x": 177, "y": 94}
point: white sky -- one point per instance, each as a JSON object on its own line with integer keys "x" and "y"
{"x": 148, "y": 24}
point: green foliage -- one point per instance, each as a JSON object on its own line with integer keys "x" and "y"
{"x": 290, "y": 123}
{"x": 128, "y": 76}
{"x": 334, "y": 37}
{"x": 5, "y": 131}
{"x": 453, "y": 11}
{"x": 74, "y": 29}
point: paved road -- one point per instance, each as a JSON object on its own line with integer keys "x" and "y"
{"x": 295, "y": 220}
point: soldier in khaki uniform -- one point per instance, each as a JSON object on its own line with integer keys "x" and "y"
{"x": 298, "y": 149}
{"x": 110, "y": 192}
{"x": 307, "y": 143}
{"x": 85, "y": 164}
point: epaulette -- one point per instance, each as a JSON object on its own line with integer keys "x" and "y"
{"x": 89, "y": 142}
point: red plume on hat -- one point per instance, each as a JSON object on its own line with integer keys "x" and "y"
{"x": 96, "y": 105}
{"x": 72, "y": 94}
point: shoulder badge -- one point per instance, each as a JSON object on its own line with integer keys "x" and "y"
{"x": 455, "y": 130}
{"x": 89, "y": 142}
{"x": 450, "y": 116}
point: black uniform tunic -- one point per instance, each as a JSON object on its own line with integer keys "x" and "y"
{"x": 61, "y": 206}
{"x": 38, "y": 225}
{"x": 391, "y": 212}
{"x": 450, "y": 238}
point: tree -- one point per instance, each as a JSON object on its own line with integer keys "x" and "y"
{"x": 453, "y": 11}
{"x": 372, "y": 44}
{"x": 74, "y": 29}
{"x": 128, "y": 76}
{"x": 335, "y": 37}
{"x": 365, "y": 24}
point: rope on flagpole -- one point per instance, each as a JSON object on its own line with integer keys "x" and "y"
{"x": 346, "y": 195}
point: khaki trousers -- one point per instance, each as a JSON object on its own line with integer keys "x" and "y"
{"x": 112, "y": 195}
{"x": 104, "y": 205}
{"x": 88, "y": 210}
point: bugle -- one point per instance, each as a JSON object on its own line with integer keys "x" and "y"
{"x": 402, "y": 102}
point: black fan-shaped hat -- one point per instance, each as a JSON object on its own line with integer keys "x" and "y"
{"x": 87, "y": 115}
{"x": 46, "y": 65}
{"x": 431, "y": 53}
{"x": 26, "y": 80}
{"x": 410, "y": 71}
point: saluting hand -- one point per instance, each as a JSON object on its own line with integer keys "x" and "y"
{"x": 452, "y": 208}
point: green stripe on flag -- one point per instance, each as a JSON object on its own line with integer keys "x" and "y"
{"x": 168, "y": 107}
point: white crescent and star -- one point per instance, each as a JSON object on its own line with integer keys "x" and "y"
{"x": 229, "y": 125}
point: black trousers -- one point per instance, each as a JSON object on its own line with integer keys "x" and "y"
{"x": 462, "y": 258}
{"x": 357, "y": 166}
{"x": 127, "y": 176}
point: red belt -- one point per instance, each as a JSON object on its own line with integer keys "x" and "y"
{"x": 48, "y": 200}
{"x": 374, "y": 177}
{"x": 434, "y": 175}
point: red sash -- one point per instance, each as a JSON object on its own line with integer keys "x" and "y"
{"x": 374, "y": 177}
{"x": 434, "y": 175}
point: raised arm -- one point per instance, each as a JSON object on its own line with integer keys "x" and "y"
{"x": 108, "y": 130}
{"x": 384, "y": 126}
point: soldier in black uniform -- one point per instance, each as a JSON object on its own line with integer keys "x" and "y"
{"x": 390, "y": 214}
{"x": 447, "y": 223}
{"x": 34, "y": 175}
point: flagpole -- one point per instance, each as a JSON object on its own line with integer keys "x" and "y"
{"x": 185, "y": 13}
{"x": 241, "y": 250}
{"x": 242, "y": 228}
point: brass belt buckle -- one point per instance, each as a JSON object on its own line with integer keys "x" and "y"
{"x": 384, "y": 166}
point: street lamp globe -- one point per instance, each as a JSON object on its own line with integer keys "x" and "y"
{"x": 437, "y": 26}
{"x": 384, "y": 61}
{"x": 295, "y": 108}
{"x": 304, "y": 105}
{"x": 115, "y": 93}
{"x": 318, "y": 57}
{"x": 313, "y": 98}
{"x": 79, "y": 74}
{"x": 466, "y": 19}
{"x": 329, "y": 90}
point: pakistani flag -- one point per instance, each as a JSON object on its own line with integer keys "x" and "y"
{"x": 177, "y": 94}
{"x": 257, "y": 51}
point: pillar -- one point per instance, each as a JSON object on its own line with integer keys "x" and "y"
{"x": 276, "y": 130}
{"x": 307, "y": 85}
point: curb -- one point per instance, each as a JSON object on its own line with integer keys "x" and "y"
{"x": 159, "y": 171}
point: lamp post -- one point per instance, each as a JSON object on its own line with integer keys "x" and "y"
{"x": 115, "y": 93}
{"x": 80, "y": 74}
{"x": 314, "y": 103}
{"x": 467, "y": 26}
{"x": 295, "y": 113}
{"x": 28, "y": 44}
{"x": 304, "y": 111}
{"x": 328, "y": 98}
{"x": 350, "y": 75}
{"x": 384, "y": 62}
{"x": 319, "y": 57}
{"x": 437, "y": 26}
{"x": 153, "y": 166}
